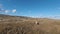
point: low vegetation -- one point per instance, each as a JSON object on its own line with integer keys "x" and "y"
{"x": 27, "y": 25}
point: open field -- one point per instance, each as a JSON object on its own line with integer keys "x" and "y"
{"x": 27, "y": 25}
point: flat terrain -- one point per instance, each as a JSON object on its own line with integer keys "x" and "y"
{"x": 28, "y": 25}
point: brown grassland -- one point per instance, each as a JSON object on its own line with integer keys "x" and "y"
{"x": 27, "y": 25}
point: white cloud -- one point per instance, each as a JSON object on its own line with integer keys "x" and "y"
{"x": 58, "y": 8}
{"x": 6, "y": 11}
{"x": 14, "y": 10}
{"x": 1, "y": 10}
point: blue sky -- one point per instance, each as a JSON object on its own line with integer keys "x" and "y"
{"x": 34, "y": 8}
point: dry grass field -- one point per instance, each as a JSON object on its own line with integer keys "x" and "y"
{"x": 27, "y": 25}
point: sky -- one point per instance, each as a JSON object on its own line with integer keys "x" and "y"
{"x": 31, "y": 8}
